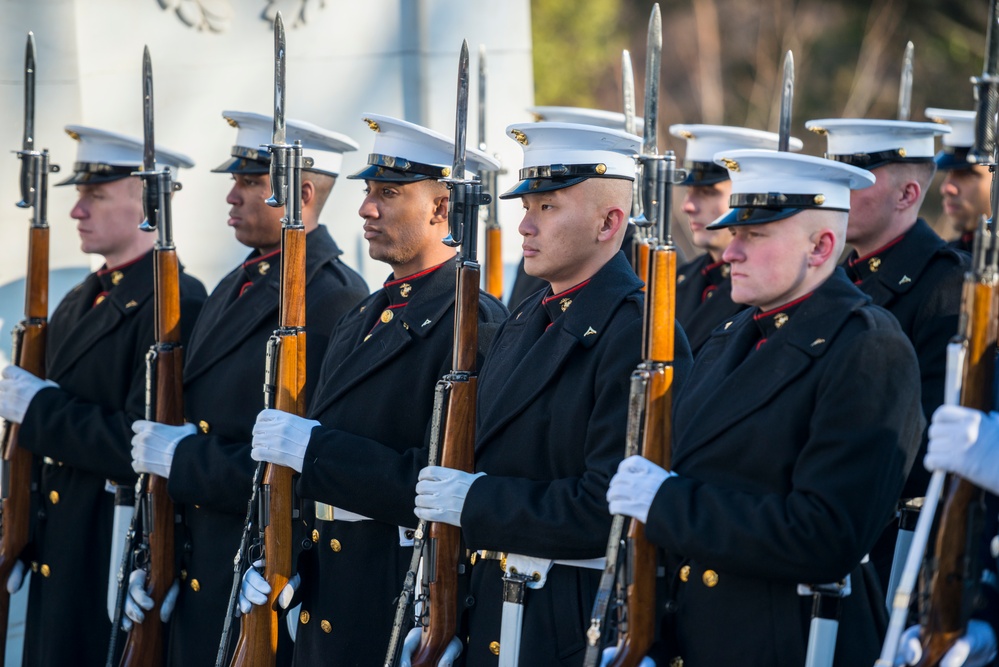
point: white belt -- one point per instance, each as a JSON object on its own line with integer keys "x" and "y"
{"x": 337, "y": 514}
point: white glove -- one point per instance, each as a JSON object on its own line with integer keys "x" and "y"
{"x": 440, "y": 494}
{"x": 634, "y": 487}
{"x": 611, "y": 652}
{"x": 412, "y": 643}
{"x": 138, "y": 601}
{"x": 16, "y": 577}
{"x": 17, "y": 388}
{"x": 976, "y": 648}
{"x": 154, "y": 444}
{"x": 963, "y": 441}
{"x": 255, "y": 589}
{"x": 282, "y": 438}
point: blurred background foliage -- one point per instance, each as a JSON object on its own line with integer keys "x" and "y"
{"x": 721, "y": 58}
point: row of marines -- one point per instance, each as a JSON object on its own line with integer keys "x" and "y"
{"x": 804, "y": 382}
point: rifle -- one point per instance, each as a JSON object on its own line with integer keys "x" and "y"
{"x": 969, "y": 381}
{"x": 494, "y": 235}
{"x": 258, "y": 632}
{"x": 442, "y": 548}
{"x": 29, "y": 339}
{"x": 633, "y": 569}
{"x": 164, "y": 391}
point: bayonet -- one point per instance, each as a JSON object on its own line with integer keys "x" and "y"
{"x": 150, "y": 200}
{"x": 786, "y": 103}
{"x": 456, "y": 176}
{"x": 28, "y": 186}
{"x": 653, "y": 63}
{"x": 279, "y": 167}
{"x": 628, "y": 90}
{"x": 905, "y": 85}
{"x": 986, "y": 94}
{"x": 482, "y": 97}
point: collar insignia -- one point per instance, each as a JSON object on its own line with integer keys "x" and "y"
{"x": 564, "y": 304}
{"x": 405, "y": 289}
{"x": 818, "y": 341}
{"x": 589, "y": 331}
{"x": 904, "y": 280}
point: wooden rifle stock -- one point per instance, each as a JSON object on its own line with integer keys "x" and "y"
{"x": 144, "y": 645}
{"x": 258, "y": 631}
{"x": 494, "y": 260}
{"x": 959, "y": 531}
{"x": 29, "y": 354}
{"x": 638, "y": 633}
{"x": 457, "y": 452}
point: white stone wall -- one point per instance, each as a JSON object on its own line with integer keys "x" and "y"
{"x": 396, "y": 57}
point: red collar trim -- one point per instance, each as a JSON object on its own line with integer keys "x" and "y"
{"x": 789, "y": 304}
{"x": 251, "y": 262}
{"x": 572, "y": 289}
{"x": 858, "y": 260}
{"x": 105, "y": 271}
{"x": 420, "y": 274}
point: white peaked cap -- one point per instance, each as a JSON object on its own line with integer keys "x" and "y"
{"x": 404, "y": 151}
{"x": 557, "y": 155}
{"x": 870, "y": 143}
{"x": 103, "y": 156}
{"x": 962, "y": 125}
{"x": 780, "y": 184}
{"x": 255, "y": 131}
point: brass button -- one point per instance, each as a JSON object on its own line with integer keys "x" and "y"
{"x": 204, "y": 426}
{"x": 195, "y": 586}
{"x": 54, "y": 497}
{"x": 710, "y": 578}
{"x": 45, "y": 570}
{"x": 685, "y": 573}
{"x": 315, "y": 536}
{"x": 326, "y": 626}
{"x": 304, "y": 617}
{"x": 335, "y": 545}
{"x": 494, "y": 648}
{"x": 387, "y": 316}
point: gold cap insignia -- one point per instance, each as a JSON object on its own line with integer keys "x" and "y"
{"x": 819, "y": 130}
{"x": 386, "y": 316}
{"x": 231, "y": 122}
{"x": 564, "y": 303}
{"x": 780, "y": 319}
{"x": 874, "y": 263}
{"x": 405, "y": 289}
{"x": 445, "y": 171}
{"x": 374, "y": 127}
{"x": 73, "y": 135}
{"x": 686, "y": 134}
{"x": 901, "y": 152}
{"x": 519, "y": 136}
{"x": 263, "y": 268}
{"x": 730, "y": 164}
{"x": 116, "y": 277}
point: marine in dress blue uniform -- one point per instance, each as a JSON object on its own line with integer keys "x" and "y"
{"x": 552, "y": 400}
{"x": 211, "y": 470}
{"x": 79, "y": 432}
{"x": 898, "y": 260}
{"x": 791, "y": 438}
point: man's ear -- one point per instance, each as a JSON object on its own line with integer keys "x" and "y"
{"x": 614, "y": 217}
{"x": 440, "y": 209}
{"x": 823, "y": 246}
{"x": 308, "y": 192}
{"x": 909, "y": 194}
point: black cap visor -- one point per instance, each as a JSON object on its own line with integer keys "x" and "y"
{"x": 704, "y": 173}
{"x": 95, "y": 173}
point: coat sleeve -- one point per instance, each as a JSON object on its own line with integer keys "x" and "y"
{"x": 84, "y": 434}
{"x": 862, "y": 438}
